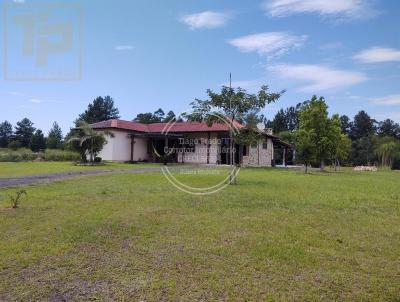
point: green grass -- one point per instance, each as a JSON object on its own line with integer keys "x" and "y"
{"x": 276, "y": 235}
{"x": 13, "y": 169}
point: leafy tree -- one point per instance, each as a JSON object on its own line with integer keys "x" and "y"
{"x": 279, "y": 123}
{"x": 38, "y": 141}
{"x": 286, "y": 120}
{"x": 54, "y": 138}
{"x": 389, "y": 128}
{"x": 24, "y": 131}
{"x": 362, "y": 126}
{"x": 341, "y": 150}
{"x": 362, "y": 134}
{"x": 101, "y": 109}
{"x": 292, "y": 117}
{"x": 345, "y": 124}
{"x": 145, "y": 118}
{"x": 234, "y": 104}
{"x": 159, "y": 115}
{"x": 315, "y": 122}
{"x": 6, "y": 134}
{"x": 169, "y": 117}
{"x": 387, "y": 150}
{"x": 85, "y": 140}
{"x": 305, "y": 146}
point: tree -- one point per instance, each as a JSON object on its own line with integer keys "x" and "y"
{"x": 101, "y": 109}
{"x": 362, "y": 126}
{"x": 145, "y": 118}
{"x": 24, "y": 131}
{"x": 387, "y": 150}
{"x": 159, "y": 115}
{"x": 279, "y": 123}
{"x": 6, "y": 133}
{"x": 85, "y": 140}
{"x": 305, "y": 146}
{"x": 38, "y": 141}
{"x": 362, "y": 134}
{"x": 345, "y": 124}
{"x": 292, "y": 117}
{"x": 54, "y": 138}
{"x": 286, "y": 120}
{"x": 234, "y": 104}
{"x": 315, "y": 122}
{"x": 389, "y": 128}
{"x": 341, "y": 150}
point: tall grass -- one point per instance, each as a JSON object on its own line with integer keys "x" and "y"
{"x": 23, "y": 154}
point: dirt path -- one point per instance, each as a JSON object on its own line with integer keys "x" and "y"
{"x": 43, "y": 178}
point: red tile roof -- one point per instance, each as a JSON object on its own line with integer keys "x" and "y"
{"x": 163, "y": 127}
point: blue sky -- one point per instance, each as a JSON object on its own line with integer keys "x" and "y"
{"x": 151, "y": 54}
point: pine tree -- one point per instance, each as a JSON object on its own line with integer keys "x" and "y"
{"x": 6, "y": 133}
{"x": 24, "y": 132}
{"x": 54, "y": 138}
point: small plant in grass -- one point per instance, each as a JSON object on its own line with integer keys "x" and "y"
{"x": 15, "y": 200}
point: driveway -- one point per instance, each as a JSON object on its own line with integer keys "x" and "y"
{"x": 43, "y": 178}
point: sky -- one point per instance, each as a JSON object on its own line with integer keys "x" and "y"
{"x": 148, "y": 54}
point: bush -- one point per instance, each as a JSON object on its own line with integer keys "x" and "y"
{"x": 97, "y": 159}
{"x": 60, "y": 155}
{"x": 17, "y": 155}
{"x": 23, "y": 154}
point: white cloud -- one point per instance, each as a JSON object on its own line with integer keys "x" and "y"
{"x": 388, "y": 100}
{"x": 40, "y": 101}
{"x": 16, "y": 93}
{"x": 268, "y": 43}
{"x": 378, "y": 55}
{"x": 206, "y": 19}
{"x": 36, "y": 101}
{"x": 337, "y": 8}
{"x": 320, "y": 77}
{"x": 124, "y": 47}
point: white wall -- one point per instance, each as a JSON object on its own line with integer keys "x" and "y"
{"x": 140, "y": 149}
{"x": 118, "y": 148}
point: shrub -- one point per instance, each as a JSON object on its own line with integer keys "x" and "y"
{"x": 97, "y": 159}
{"x": 15, "y": 200}
{"x": 60, "y": 155}
{"x": 22, "y": 154}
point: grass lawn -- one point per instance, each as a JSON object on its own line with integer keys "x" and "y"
{"x": 276, "y": 235}
{"x": 15, "y": 169}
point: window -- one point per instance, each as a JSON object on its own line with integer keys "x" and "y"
{"x": 245, "y": 150}
{"x": 265, "y": 145}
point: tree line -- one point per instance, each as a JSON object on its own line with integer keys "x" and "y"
{"x": 320, "y": 139}
{"x": 25, "y": 135}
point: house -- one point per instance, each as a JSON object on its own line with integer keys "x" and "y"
{"x": 183, "y": 142}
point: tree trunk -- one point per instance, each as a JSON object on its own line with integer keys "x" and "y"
{"x": 322, "y": 167}
{"x": 306, "y": 168}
